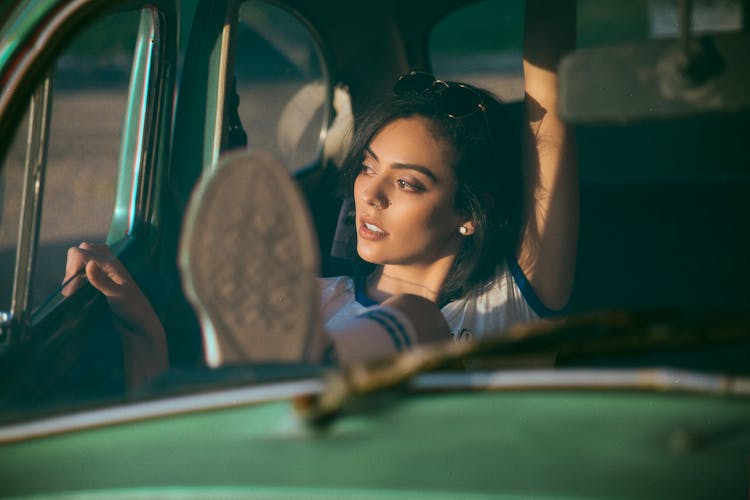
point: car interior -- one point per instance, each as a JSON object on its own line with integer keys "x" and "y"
{"x": 664, "y": 200}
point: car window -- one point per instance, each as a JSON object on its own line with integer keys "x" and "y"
{"x": 616, "y": 21}
{"x": 282, "y": 84}
{"x": 467, "y": 46}
{"x": 76, "y": 141}
{"x": 89, "y": 92}
{"x": 11, "y": 187}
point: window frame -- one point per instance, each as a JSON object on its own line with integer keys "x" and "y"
{"x": 39, "y": 36}
{"x": 228, "y": 50}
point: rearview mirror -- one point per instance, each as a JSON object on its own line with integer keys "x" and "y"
{"x": 656, "y": 79}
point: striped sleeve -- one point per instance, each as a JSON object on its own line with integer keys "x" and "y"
{"x": 378, "y": 332}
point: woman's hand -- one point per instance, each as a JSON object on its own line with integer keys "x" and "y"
{"x": 143, "y": 337}
{"x": 107, "y": 274}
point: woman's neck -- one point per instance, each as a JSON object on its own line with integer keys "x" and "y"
{"x": 389, "y": 280}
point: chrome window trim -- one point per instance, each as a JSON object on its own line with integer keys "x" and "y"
{"x": 216, "y": 90}
{"x": 137, "y": 155}
{"x": 37, "y": 143}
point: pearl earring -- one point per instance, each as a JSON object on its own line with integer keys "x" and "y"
{"x": 463, "y": 230}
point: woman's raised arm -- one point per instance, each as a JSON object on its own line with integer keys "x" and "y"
{"x": 549, "y": 240}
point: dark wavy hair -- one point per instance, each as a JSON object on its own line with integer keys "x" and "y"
{"x": 488, "y": 172}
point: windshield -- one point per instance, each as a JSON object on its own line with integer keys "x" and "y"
{"x": 304, "y": 214}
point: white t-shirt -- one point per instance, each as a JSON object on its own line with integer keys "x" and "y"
{"x": 508, "y": 300}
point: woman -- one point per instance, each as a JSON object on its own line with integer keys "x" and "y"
{"x": 467, "y": 225}
{"x": 436, "y": 173}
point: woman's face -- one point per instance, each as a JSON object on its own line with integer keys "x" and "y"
{"x": 404, "y": 197}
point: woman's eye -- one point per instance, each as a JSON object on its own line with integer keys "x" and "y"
{"x": 410, "y": 186}
{"x": 366, "y": 169}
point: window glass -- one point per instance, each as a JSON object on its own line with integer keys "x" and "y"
{"x": 282, "y": 85}
{"x": 620, "y": 21}
{"x": 469, "y": 46}
{"x": 90, "y": 86}
{"x": 11, "y": 187}
{"x": 709, "y": 16}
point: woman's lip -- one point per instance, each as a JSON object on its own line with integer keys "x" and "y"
{"x": 370, "y": 234}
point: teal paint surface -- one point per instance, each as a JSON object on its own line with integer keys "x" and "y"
{"x": 543, "y": 444}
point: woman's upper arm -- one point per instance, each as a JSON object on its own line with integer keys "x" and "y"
{"x": 549, "y": 240}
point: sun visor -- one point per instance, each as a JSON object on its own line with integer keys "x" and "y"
{"x": 656, "y": 79}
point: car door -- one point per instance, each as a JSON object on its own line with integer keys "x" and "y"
{"x": 85, "y": 126}
{"x": 256, "y": 76}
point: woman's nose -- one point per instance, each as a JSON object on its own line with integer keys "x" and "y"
{"x": 375, "y": 195}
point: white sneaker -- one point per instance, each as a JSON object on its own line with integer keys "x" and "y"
{"x": 249, "y": 261}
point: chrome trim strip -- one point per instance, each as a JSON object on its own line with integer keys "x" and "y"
{"x": 31, "y": 207}
{"x": 665, "y": 380}
{"x": 587, "y": 378}
{"x": 86, "y": 419}
{"x": 221, "y": 91}
{"x": 139, "y": 156}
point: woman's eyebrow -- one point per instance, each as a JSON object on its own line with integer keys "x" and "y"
{"x": 419, "y": 168}
{"x": 407, "y": 166}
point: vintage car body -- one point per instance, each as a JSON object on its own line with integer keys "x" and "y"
{"x": 643, "y": 391}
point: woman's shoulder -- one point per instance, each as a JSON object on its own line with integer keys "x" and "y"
{"x": 501, "y": 303}
{"x": 338, "y": 299}
{"x": 332, "y": 284}
{"x": 335, "y": 289}
{"x": 499, "y": 289}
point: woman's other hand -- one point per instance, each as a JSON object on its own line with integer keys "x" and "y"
{"x": 107, "y": 274}
{"x": 102, "y": 269}
{"x": 143, "y": 337}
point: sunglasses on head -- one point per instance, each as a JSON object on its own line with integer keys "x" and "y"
{"x": 455, "y": 99}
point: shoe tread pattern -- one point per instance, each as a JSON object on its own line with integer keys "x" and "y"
{"x": 252, "y": 262}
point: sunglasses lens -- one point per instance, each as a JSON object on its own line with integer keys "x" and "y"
{"x": 455, "y": 100}
{"x": 458, "y": 101}
{"x": 415, "y": 81}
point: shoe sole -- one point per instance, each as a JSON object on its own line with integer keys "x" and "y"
{"x": 249, "y": 263}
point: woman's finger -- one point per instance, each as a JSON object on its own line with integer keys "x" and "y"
{"x": 96, "y": 263}
{"x": 109, "y": 276}
{"x": 74, "y": 266}
{"x": 98, "y": 248}
{"x": 75, "y": 263}
{"x": 100, "y": 279}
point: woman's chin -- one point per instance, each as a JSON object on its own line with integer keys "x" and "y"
{"x": 369, "y": 254}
